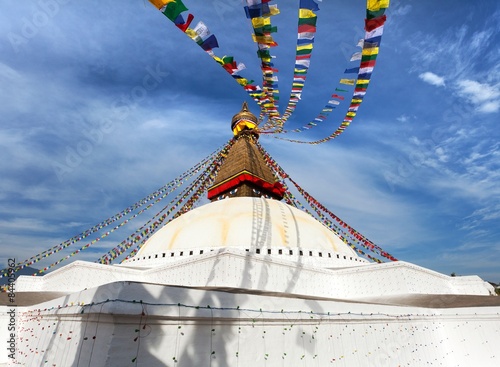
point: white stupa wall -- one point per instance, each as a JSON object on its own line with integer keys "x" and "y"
{"x": 5, "y": 320}
{"x": 180, "y": 327}
{"x": 236, "y": 269}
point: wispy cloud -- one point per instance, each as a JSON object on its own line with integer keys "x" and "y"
{"x": 432, "y": 79}
{"x": 404, "y": 118}
{"x": 485, "y": 97}
{"x": 416, "y": 171}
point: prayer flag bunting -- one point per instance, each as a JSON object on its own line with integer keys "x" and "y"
{"x": 352, "y": 70}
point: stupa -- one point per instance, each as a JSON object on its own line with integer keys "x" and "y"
{"x": 249, "y": 280}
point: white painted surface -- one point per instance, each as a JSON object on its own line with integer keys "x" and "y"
{"x": 229, "y": 269}
{"x": 218, "y": 246}
{"x": 238, "y": 269}
{"x": 247, "y": 223}
{"x": 173, "y": 326}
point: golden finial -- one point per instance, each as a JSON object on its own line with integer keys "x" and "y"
{"x": 244, "y": 120}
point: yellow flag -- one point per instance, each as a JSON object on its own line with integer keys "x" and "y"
{"x": 218, "y": 59}
{"x": 309, "y": 46}
{"x": 347, "y": 81}
{"x": 376, "y": 5}
{"x": 242, "y": 81}
{"x": 160, "y": 3}
{"x": 273, "y": 9}
{"x": 191, "y": 33}
{"x": 363, "y": 81}
{"x": 306, "y": 13}
{"x": 370, "y": 51}
{"x": 260, "y": 22}
{"x": 263, "y": 39}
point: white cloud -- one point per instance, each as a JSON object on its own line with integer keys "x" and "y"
{"x": 432, "y": 79}
{"x": 400, "y": 10}
{"x": 6, "y": 72}
{"x": 484, "y": 96}
{"x": 489, "y": 107}
{"x": 479, "y": 40}
{"x": 404, "y": 118}
{"x": 478, "y": 92}
{"x": 442, "y": 155}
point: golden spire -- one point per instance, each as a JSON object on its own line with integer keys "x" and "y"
{"x": 244, "y": 120}
{"x": 244, "y": 172}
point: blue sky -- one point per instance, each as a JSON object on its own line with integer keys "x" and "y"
{"x": 417, "y": 171}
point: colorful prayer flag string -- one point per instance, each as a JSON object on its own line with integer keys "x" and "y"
{"x": 153, "y": 198}
{"x": 374, "y": 27}
{"x": 346, "y": 233}
{"x": 267, "y": 96}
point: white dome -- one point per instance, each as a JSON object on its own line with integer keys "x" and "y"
{"x": 245, "y": 223}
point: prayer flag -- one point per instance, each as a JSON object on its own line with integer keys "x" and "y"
{"x": 308, "y": 21}
{"x": 368, "y": 69}
{"x": 268, "y": 40}
{"x": 303, "y": 62}
{"x": 305, "y": 36}
{"x": 173, "y": 8}
{"x": 260, "y": 22}
{"x": 365, "y": 76}
{"x": 372, "y": 42}
{"x": 367, "y": 64}
{"x": 181, "y": 24}
{"x": 356, "y": 56}
{"x": 376, "y": 32}
{"x": 371, "y": 24}
{"x": 375, "y": 5}
{"x": 273, "y": 10}
{"x": 201, "y": 30}
{"x": 159, "y": 3}
{"x": 347, "y": 81}
{"x": 308, "y": 4}
{"x": 210, "y": 43}
{"x": 252, "y": 12}
{"x": 304, "y": 41}
{"x": 306, "y": 28}
{"x": 306, "y": 13}
{"x": 370, "y": 51}
{"x": 368, "y": 58}
{"x": 376, "y": 8}
{"x": 308, "y": 46}
{"x": 352, "y": 70}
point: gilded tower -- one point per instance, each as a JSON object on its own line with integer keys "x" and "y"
{"x": 245, "y": 172}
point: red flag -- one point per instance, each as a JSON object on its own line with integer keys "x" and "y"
{"x": 367, "y": 64}
{"x": 371, "y": 24}
{"x": 185, "y": 25}
{"x": 308, "y": 28}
